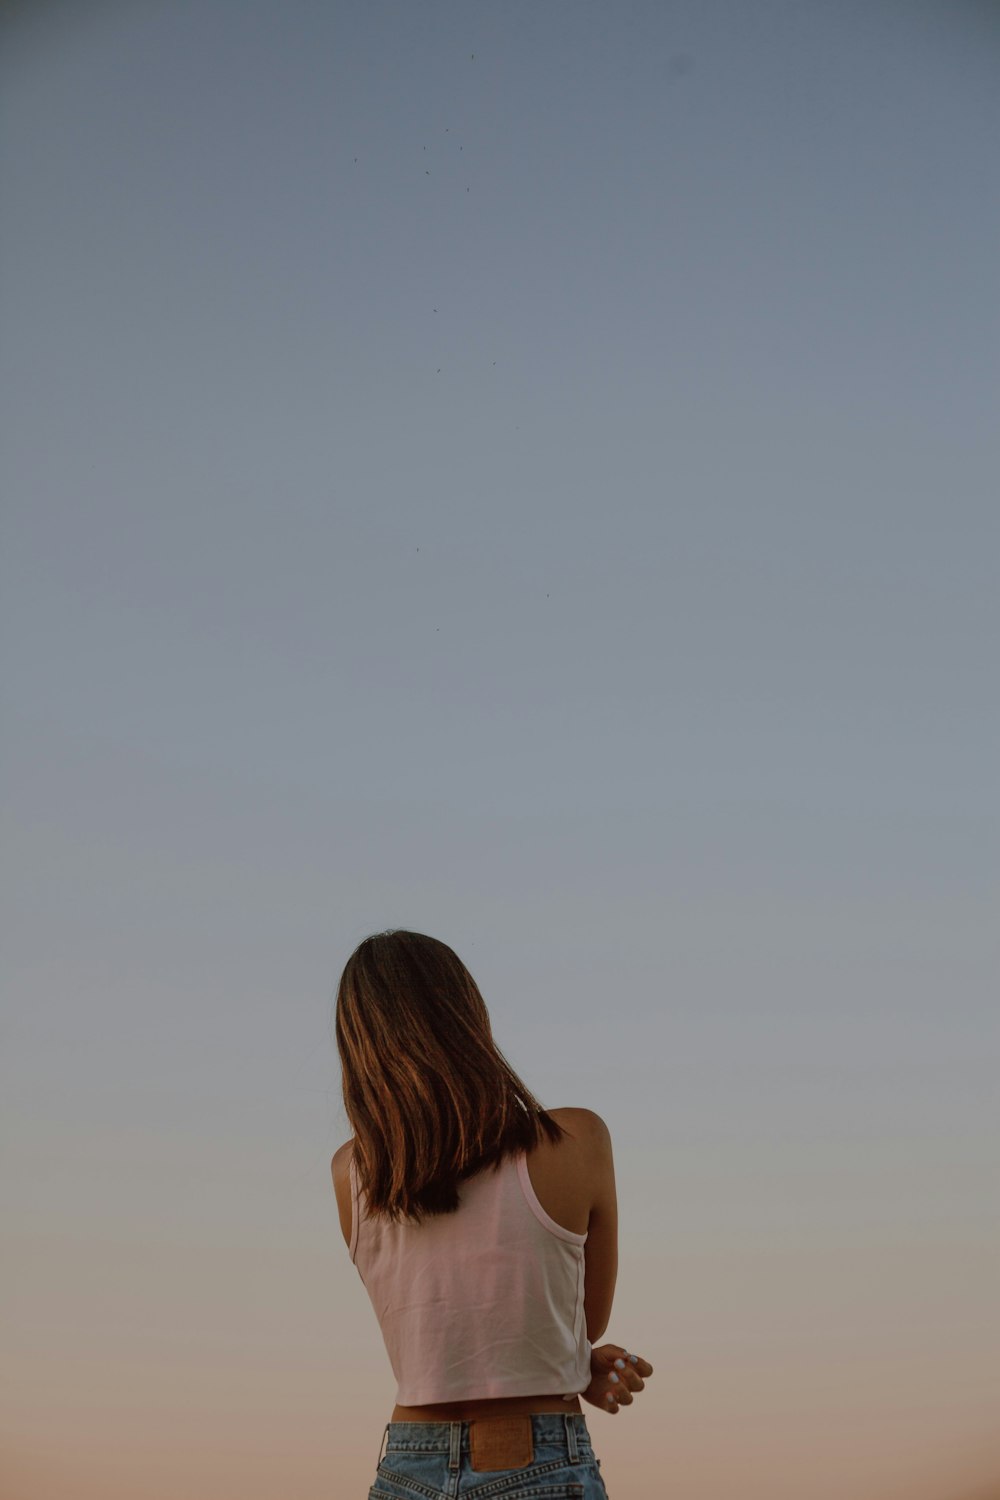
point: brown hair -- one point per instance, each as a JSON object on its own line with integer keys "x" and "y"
{"x": 430, "y": 1097}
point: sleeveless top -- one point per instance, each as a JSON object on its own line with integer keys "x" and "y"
{"x": 480, "y": 1303}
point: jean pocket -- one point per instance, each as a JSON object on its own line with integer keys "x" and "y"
{"x": 552, "y": 1481}
{"x": 513, "y": 1485}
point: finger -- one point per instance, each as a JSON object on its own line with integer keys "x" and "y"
{"x": 629, "y": 1374}
{"x": 621, "y": 1392}
{"x": 638, "y": 1363}
{"x": 612, "y": 1404}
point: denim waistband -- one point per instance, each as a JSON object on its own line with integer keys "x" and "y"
{"x": 561, "y": 1430}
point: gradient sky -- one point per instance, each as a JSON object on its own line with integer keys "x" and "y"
{"x": 527, "y": 473}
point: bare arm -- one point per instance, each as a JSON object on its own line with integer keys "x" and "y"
{"x": 601, "y": 1252}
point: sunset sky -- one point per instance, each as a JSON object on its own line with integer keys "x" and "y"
{"x": 525, "y": 472}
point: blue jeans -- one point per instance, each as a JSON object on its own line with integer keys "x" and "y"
{"x": 433, "y": 1461}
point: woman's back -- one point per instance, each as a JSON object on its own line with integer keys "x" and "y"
{"x": 572, "y": 1180}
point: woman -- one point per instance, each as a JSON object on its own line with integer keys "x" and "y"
{"x": 466, "y": 1208}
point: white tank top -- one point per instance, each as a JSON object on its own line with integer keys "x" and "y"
{"x": 484, "y": 1302}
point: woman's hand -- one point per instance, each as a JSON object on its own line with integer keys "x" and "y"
{"x": 615, "y": 1375}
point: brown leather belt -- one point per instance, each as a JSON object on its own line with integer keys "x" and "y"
{"x": 501, "y": 1443}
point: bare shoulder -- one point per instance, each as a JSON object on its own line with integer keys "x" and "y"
{"x": 579, "y": 1171}
{"x": 340, "y": 1167}
{"x": 582, "y": 1124}
{"x": 587, "y": 1141}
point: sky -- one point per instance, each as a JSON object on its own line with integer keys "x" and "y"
{"x": 525, "y": 473}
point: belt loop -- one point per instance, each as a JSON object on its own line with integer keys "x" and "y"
{"x": 455, "y": 1447}
{"x": 384, "y": 1436}
{"x": 574, "y": 1452}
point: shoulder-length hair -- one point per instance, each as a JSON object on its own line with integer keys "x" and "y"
{"x": 429, "y": 1095}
